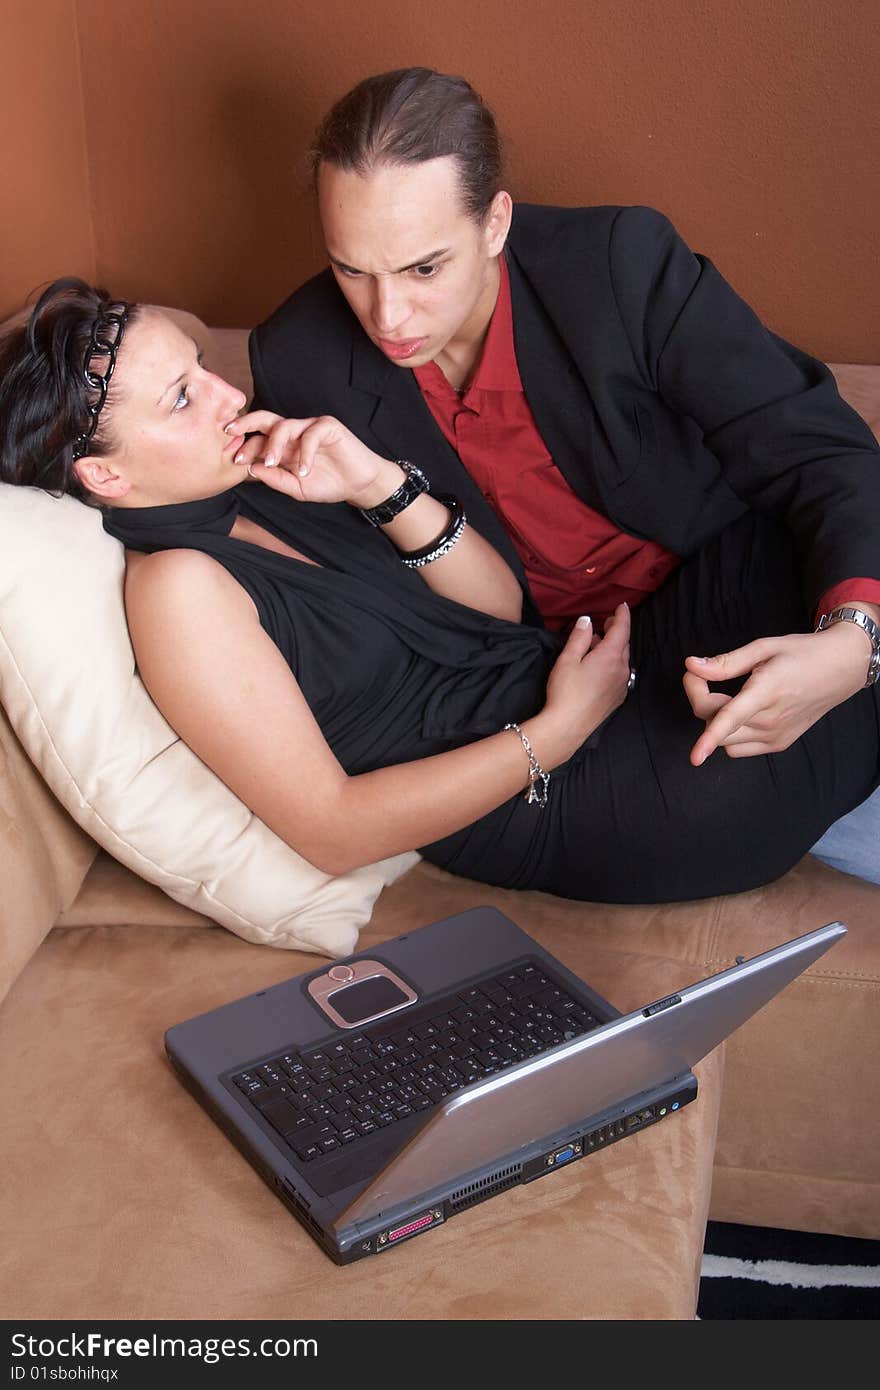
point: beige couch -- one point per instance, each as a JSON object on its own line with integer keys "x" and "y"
{"x": 121, "y": 1199}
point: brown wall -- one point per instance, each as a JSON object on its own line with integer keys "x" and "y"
{"x": 45, "y": 226}
{"x": 754, "y": 126}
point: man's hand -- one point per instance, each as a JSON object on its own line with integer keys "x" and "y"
{"x": 792, "y": 682}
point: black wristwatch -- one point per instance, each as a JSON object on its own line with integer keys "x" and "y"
{"x": 855, "y": 615}
{"x": 413, "y": 485}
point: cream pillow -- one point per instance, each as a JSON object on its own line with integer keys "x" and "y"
{"x": 69, "y": 685}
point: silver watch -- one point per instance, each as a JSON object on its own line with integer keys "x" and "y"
{"x": 867, "y": 624}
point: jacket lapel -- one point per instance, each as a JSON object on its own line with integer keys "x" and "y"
{"x": 555, "y": 390}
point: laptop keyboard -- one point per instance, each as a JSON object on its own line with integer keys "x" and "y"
{"x": 322, "y": 1101}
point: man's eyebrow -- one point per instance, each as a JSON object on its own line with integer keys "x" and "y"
{"x": 422, "y": 260}
{"x": 179, "y": 379}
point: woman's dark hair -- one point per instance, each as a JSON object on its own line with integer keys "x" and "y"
{"x": 46, "y": 406}
{"x": 409, "y": 116}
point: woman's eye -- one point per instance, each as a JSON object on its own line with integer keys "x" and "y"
{"x": 425, "y": 272}
{"x": 183, "y": 398}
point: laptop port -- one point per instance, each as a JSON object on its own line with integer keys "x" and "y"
{"x": 410, "y": 1228}
{"x": 565, "y": 1154}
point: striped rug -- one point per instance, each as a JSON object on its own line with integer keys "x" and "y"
{"x": 755, "y": 1272}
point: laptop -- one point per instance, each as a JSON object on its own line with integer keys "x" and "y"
{"x": 382, "y": 1095}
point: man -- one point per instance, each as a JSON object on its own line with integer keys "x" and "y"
{"x": 597, "y": 396}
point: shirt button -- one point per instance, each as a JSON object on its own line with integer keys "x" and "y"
{"x": 591, "y": 569}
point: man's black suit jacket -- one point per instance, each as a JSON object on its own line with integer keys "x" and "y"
{"x": 659, "y": 394}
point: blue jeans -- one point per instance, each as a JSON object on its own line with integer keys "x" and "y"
{"x": 852, "y": 844}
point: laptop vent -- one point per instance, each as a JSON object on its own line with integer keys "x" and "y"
{"x": 485, "y": 1187}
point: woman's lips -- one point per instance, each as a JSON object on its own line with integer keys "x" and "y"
{"x": 234, "y": 444}
{"x": 408, "y": 347}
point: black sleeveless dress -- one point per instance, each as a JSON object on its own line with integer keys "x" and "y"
{"x": 393, "y": 673}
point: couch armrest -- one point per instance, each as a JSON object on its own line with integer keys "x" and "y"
{"x": 44, "y": 857}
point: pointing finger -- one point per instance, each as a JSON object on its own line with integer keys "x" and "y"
{"x": 736, "y": 712}
{"x": 704, "y": 702}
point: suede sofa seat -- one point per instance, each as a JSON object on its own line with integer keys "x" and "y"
{"x": 122, "y": 1199}
{"x": 143, "y": 1209}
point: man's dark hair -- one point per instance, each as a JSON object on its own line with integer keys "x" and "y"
{"x": 407, "y": 117}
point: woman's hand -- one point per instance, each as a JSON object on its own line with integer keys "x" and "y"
{"x": 313, "y": 460}
{"x": 588, "y": 683}
{"x": 792, "y": 682}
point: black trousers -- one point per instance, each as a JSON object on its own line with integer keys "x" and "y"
{"x": 629, "y": 820}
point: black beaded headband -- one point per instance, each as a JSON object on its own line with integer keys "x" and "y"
{"x": 105, "y": 341}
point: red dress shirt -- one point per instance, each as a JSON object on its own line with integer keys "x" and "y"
{"x": 576, "y": 560}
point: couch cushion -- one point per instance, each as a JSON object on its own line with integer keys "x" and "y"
{"x": 69, "y": 685}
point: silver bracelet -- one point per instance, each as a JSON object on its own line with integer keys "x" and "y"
{"x": 436, "y": 549}
{"x": 539, "y": 780}
{"x": 848, "y": 613}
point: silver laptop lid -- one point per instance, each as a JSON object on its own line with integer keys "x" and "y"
{"x": 579, "y": 1079}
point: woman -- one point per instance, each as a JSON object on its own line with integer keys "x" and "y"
{"x": 370, "y": 695}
